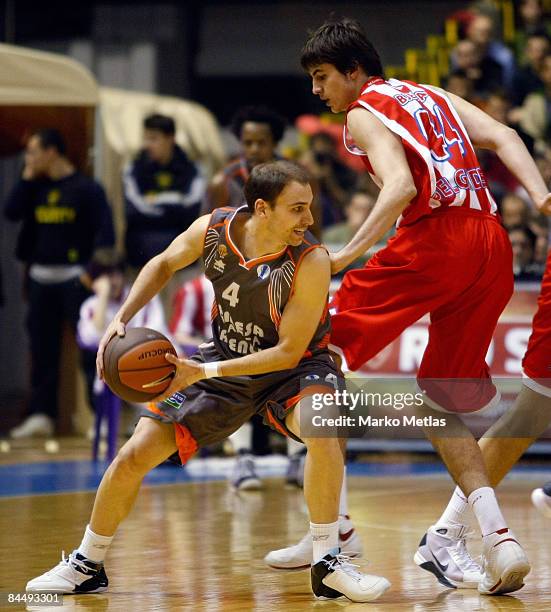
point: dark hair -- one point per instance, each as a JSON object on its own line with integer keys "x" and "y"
{"x": 268, "y": 180}
{"x": 160, "y": 123}
{"x": 259, "y": 114}
{"x": 344, "y": 44}
{"x": 51, "y": 139}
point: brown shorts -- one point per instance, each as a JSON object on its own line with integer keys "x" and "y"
{"x": 212, "y": 409}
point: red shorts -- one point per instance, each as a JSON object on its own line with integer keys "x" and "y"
{"x": 537, "y": 360}
{"x": 454, "y": 265}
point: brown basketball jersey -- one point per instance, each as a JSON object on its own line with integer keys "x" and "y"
{"x": 250, "y": 296}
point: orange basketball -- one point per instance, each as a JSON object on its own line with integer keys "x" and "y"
{"x": 135, "y": 367}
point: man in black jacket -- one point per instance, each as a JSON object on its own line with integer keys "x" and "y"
{"x": 163, "y": 190}
{"x": 65, "y": 217}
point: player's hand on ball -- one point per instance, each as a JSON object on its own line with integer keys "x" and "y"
{"x": 115, "y": 328}
{"x": 187, "y": 373}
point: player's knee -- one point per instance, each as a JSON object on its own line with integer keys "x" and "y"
{"x": 129, "y": 463}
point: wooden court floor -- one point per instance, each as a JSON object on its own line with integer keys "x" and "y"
{"x": 199, "y": 547}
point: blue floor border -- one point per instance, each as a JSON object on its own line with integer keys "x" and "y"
{"x": 27, "y": 479}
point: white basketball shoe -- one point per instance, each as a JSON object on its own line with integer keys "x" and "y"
{"x": 299, "y": 556}
{"x": 505, "y": 564}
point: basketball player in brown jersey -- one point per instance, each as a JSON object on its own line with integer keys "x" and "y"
{"x": 268, "y": 355}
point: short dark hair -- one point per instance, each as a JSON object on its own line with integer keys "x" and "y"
{"x": 344, "y": 44}
{"x": 268, "y": 180}
{"x": 160, "y": 123}
{"x": 51, "y": 138}
{"x": 259, "y": 114}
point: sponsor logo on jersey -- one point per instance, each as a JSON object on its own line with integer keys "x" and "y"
{"x": 175, "y": 401}
{"x": 219, "y": 265}
{"x": 222, "y": 250}
{"x": 263, "y": 271}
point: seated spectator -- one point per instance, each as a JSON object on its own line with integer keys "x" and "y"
{"x": 163, "y": 191}
{"x": 530, "y": 19}
{"x": 523, "y": 241}
{"x": 259, "y": 129}
{"x": 533, "y": 116}
{"x": 484, "y": 72}
{"x": 98, "y": 311}
{"x": 191, "y": 314}
{"x": 481, "y": 31}
{"x": 499, "y": 177}
{"x": 333, "y": 180}
{"x": 460, "y": 84}
{"x": 527, "y": 79}
{"x": 514, "y": 211}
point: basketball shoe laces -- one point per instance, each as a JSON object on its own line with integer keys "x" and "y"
{"x": 342, "y": 562}
{"x": 461, "y": 556}
{"x": 75, "y": 564}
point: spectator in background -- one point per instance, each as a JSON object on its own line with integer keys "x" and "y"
{"x": 334, "y": 181}
{"x": 533, "y": 116}
{"x": 98, "y": 310}
{"x": 163, "y": 191}
{"x": 523, "y": 241}
{"x": 514, "y": 211}
{"x": 65, "y": 217}
{"x": 461, "y": 85}
{"x": 484, "y": 72}
{"x": 259, "y": 129}
{"x": 499, "y": 177}
{"x": 527, "y": 79}
{"x": 481, "y": 31}
{"x": 356, "y": 212}
{"x": 530, "y": 19}
{"x": 190, "y": 323}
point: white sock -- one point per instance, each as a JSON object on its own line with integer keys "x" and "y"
{"x": 455, "y": 510}
{"x": 293, "y": 446}
{"x": 484, "y": 505}
{"x": 325, "y": 536}
{"x": 242, "y": 439}
{"x": 94, "y": 546}
{"x": 343, "y": 501}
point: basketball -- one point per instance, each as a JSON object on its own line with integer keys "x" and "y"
{"x": 135, "y": 367}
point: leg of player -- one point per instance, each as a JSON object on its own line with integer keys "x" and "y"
{"x": 332, "y": 574}
{"x": 504, "y": 562}
{"x": 82, "y": 571}
{"x": 502, "y": 446}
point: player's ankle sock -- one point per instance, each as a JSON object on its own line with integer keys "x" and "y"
{"x": 241, "y": 439}
{"x": 456, "y": 509}
{"x": 93, "y": 546}
{"x": 343, "y": 501}
{"x": 484, "y": 505}
{"x": 325, "y": 536}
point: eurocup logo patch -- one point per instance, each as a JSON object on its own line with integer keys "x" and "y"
{"x": 263, "y": 271}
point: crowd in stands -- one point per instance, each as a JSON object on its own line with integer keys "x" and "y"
{"x": 165, "y": 191}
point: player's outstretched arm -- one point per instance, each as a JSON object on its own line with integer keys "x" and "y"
{"x": 487, "y": 133}
{"x": 388, "y": 159}
{"x": 299, "y": 321}
{"x": 184, "y": 250}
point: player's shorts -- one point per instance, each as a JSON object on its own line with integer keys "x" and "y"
{"x": 536, "y": 364}
{"x": 211, "y": 409}
{"x": 454, "y": 265}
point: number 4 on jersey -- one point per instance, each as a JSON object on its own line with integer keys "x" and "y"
{"x": 230, "y": 294}
{"x": 439, "y": 132}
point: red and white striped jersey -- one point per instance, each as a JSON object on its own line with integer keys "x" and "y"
{"x": 191, "y": 308}
{"x": 441, "y": 157}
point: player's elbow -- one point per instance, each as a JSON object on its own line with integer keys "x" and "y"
{"x": 406, "y": 190}
{"x": 504, "y": 136}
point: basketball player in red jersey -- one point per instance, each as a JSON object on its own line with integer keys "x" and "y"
{"x": 450, "y": 257}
